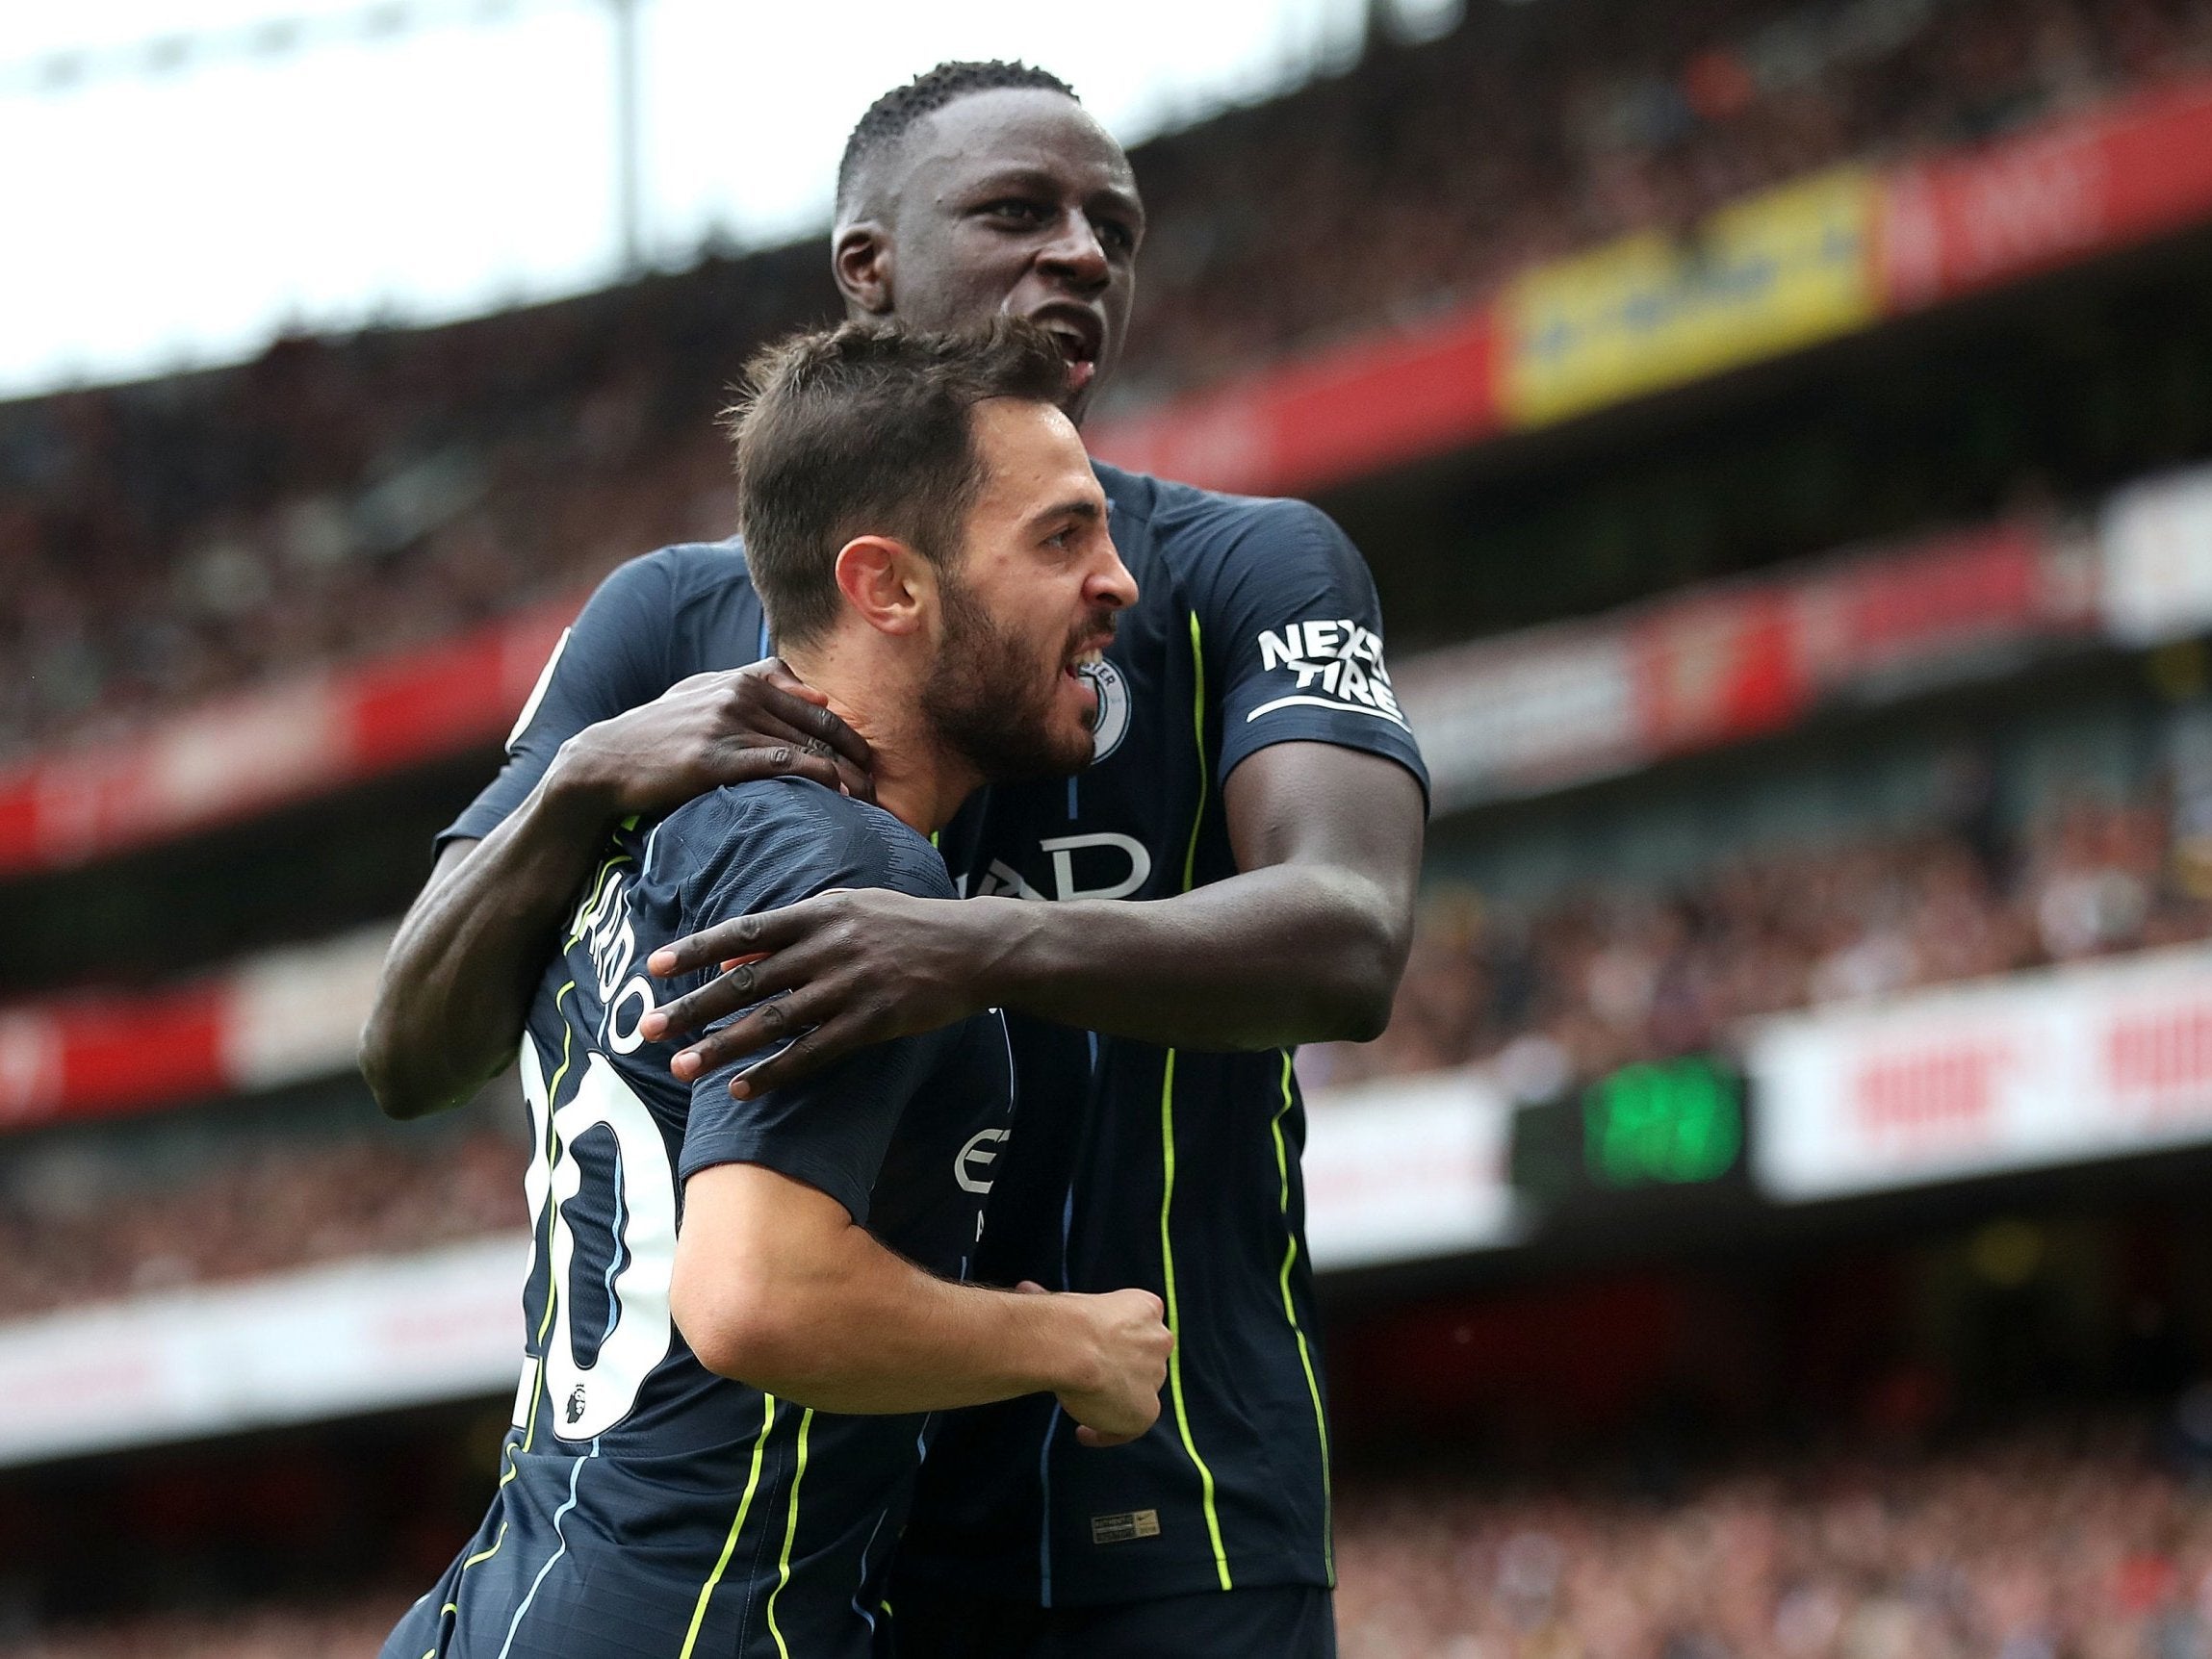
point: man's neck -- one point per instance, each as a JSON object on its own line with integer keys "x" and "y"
{"x": 917, "y": 781}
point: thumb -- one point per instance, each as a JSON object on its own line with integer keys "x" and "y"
{"x": 791, "y": 683}
{"x": 1031, "y": 1288}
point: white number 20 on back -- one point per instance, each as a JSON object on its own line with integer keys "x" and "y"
{"x": 588, "y": 1401}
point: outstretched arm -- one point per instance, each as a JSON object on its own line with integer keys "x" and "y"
{"x": 456, "y": 984}
{"x": 1305, "y": 944}
{"x": 775, "y": 1285}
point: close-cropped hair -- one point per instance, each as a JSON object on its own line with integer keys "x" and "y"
{"x": 888, "y": 120}
{"x": 867, "y": 429}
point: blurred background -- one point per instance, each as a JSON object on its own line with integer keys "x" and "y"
{"x": 1773, "y": 1224}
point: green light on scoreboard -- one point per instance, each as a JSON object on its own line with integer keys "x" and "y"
{"x": 1669, "y": 1124}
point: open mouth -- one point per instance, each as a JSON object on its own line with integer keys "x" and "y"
{"x": 1078, "y": 335}
{"x": 1078, "y": 669}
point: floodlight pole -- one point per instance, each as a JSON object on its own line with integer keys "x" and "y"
{"x": 628, "y": 137}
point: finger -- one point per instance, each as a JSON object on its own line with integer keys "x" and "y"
{"x": 748, "y": 762}
{"x": 776, "y": 672}
{"x": 772, "y": 1022}
{"x": 806, "y": 1054}
{"x": 750, "y": 730}
{"x": 757, "y": 935}
{"x": 816, "y": 721}
{"x": 820, "y": 759}
{"x": 1031, "y": 1288}
{"x": 769, "y": 1023}
{"x": 856, "y": 780}
{"x": 739, "y": 985}
{"x": 1092, "y": 1436}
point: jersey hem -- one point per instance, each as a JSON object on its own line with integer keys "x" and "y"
{"x": 1139, "y": 1581}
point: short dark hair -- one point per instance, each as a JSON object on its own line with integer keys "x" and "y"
{"x": 867, "y": 429}
{"x": 891, "y": 116}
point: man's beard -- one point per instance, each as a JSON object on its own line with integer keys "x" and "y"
{"x": 987, "y": 702}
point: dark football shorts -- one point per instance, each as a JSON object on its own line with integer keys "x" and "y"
{"x": 1278, "y": 1621}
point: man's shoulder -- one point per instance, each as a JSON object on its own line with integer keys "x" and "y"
{"x": 683, "y": 608}
{"x": 691, "y": 571}
{"x": 1184, "y": 519}
{"x": 781, "y": 839}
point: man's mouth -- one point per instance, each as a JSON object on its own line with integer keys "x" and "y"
{"x": 1076, "y": 668}
{"x": 1079, "y": 335}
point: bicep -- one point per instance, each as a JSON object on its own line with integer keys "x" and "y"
{"x": 752, "y": 1247}
{"x": 1321, "y": 804}
{"x": 747, "y": 1219}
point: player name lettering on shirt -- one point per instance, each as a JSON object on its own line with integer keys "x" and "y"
{"x": 1337, "y": 664}
{"x": 603, "y": 922}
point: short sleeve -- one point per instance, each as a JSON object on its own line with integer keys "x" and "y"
{"x": 614, "y": 657}
{"x": 1293, "y": 628}
{"x": 830, "y": 1130}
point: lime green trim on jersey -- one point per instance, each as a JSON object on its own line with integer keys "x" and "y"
{"x": 1198, "y": 736}
{"x": 1174, "y": 1324}
{"x": 595, "y": 898}
{"x": 552, "y": 1151}
{"x": 529, "y": 1419}
{"x": 545, "y": 1247}
{"x": 499, "y": 1538}
{"x": 791, "y": 1531}
{"x": 1304, "y": 1348}
{"x": 736, "y": 1526}
{"x": 1168, "y": 1152}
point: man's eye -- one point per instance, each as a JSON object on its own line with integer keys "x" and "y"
{"x": 1117, "y": 235}
{"x": 1022, "y": 210}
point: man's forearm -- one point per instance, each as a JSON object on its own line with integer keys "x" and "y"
{"x": 1291, "y": 953}
{"x": 853, "y": 1327}
{"x": 457, "y": 982}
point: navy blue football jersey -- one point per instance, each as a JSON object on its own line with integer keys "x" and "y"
{"x": 645, "y": 1504}
{"x": 1138, "y": 1165}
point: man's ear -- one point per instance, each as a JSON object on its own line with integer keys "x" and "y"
{"x": 890, "y": 584}
{"x": 861, "y": 260}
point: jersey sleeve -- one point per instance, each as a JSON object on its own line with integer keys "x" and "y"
{"x": 830, "y": 1130}
{"x": 1294, "y": 629}
{"x": 613, "y": 657}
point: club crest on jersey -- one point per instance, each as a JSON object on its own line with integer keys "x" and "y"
{"x": 1112, "y": 688}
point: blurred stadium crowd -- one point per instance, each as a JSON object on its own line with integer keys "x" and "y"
{"x": 1553, "y": 995}
{"x": 2049, "y": 1541}
{"x": 1615, "y": 974}
{"x": 351, "y": 1627}
{"x": 78, "y": 1232}
{"x": 163, "y": 543}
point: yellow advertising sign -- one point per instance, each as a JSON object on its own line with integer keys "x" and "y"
{"x": 1761, "y": 277}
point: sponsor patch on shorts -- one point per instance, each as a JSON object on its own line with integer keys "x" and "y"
{"x": 1121, "y": 1528}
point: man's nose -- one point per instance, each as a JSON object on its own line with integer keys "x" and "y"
{"x": 1076, "y": 254}
{"x": 1113, "y": 586}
